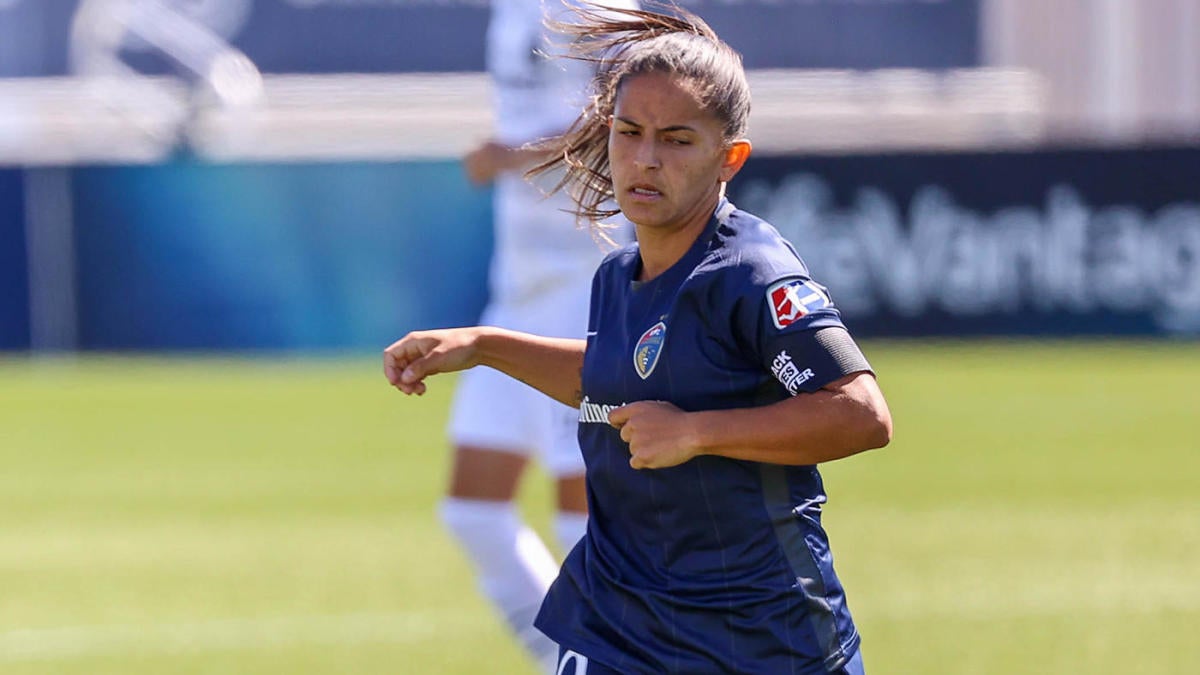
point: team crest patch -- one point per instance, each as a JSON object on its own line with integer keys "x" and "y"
{"x": 793, "y": 299}
{"x": 648, "y": 349}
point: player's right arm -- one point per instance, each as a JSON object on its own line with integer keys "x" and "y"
{"x": 550, "y": 365}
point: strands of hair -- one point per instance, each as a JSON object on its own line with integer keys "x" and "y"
{"x": 624, "y": 42}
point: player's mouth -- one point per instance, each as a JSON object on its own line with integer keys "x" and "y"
{"x": 644, "y": 193}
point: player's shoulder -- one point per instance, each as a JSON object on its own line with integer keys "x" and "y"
{"x": 752, "y": 269}
{"x": 748, "y": 251}
{"x": 620, "y": 260}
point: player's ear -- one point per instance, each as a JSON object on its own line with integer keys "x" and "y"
{"x": 736, "y": 155}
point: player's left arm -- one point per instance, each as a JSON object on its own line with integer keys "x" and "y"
{"x": 842, "y": 418}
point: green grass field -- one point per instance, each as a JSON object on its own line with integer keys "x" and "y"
{"x": 1038, "y": 512}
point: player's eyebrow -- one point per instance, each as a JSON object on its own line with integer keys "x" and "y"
{"x": 673, "y": 127}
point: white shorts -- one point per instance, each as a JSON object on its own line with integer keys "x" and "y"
{"x": 494, "y": 411}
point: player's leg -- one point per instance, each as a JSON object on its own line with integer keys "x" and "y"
{"x": 512, "y": 564}
{"x": 570, "y": 518}
{"x": 559, "y": 448}
{"x": 563, "y": 312}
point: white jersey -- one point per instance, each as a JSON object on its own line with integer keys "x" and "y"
{"x": 537, "y": 95}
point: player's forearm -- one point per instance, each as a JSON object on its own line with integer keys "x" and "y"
{"x": 805, "y": 429}
{"x": 553, "y": 366}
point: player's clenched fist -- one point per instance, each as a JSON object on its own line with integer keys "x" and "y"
{"x": 410, "y": 359}
{"x": 659, "y": 434}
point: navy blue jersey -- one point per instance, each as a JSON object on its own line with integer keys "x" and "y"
{"x": 716, "y": 565}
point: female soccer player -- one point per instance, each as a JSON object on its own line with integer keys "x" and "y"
{"x": 715, "y": 375}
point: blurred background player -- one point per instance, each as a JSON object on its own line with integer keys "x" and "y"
{"x": 540, "y": 280}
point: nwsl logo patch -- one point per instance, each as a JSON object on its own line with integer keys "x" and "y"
{"x": 648, "y": 349}
{"x": 793, "y": 299}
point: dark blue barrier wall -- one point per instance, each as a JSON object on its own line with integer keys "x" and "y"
{"x": 1054, "y": 242}
{"x": 14, "y": 275}
{"x": 349, "y": 256}
{"x": 193, "y": 256}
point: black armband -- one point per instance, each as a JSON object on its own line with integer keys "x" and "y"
{"x": 842, "y": 349}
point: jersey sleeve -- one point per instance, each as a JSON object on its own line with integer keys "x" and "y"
{"x": 798, "y": 334}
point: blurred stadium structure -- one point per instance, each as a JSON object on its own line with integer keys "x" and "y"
{"x": 178, "y": 84}
{"x": 417, "y": 115}
{"x": 1078, "y": 71}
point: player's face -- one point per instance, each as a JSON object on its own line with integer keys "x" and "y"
{"x": 667, "y": 154}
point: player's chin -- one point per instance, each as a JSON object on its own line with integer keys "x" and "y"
{"x": 640, "y": 213}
